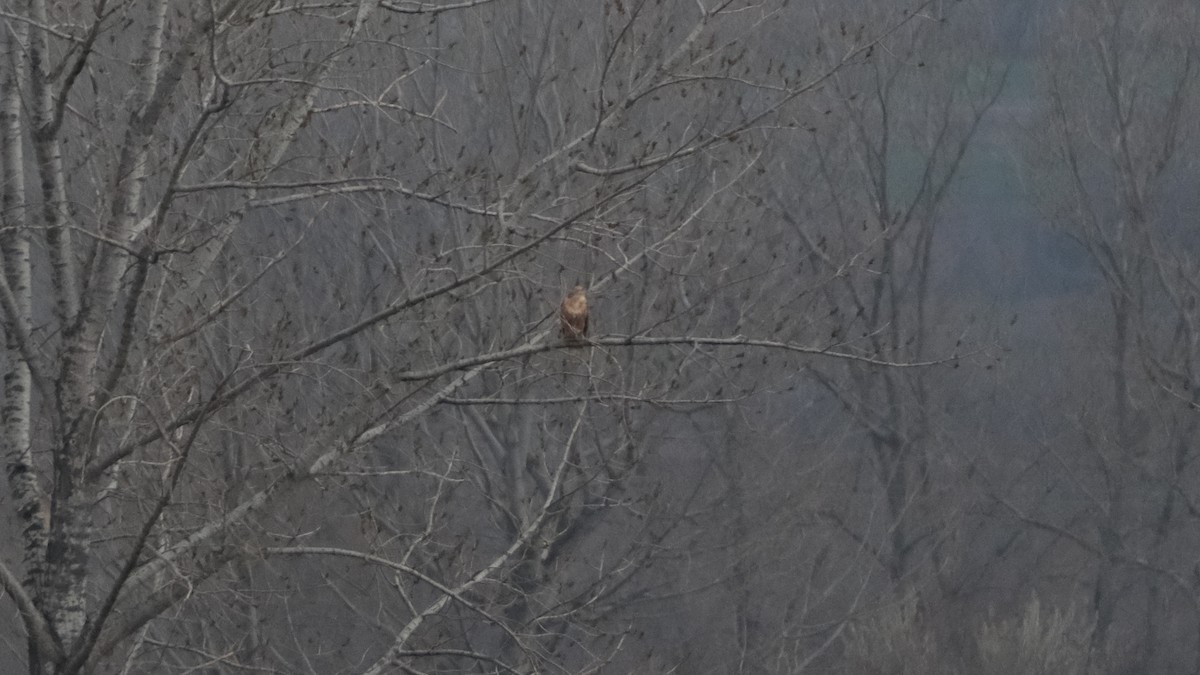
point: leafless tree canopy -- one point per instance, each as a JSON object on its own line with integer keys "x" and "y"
{"x": 889, "y": 362}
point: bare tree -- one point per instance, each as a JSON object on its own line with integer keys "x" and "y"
{"x": 910, "y": 120}
{"x": 865, "y": 194}
{"x": 1114, "y": 145}
{"x": 283, "y": 389}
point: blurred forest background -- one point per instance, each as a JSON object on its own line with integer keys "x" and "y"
{"x": 893, "y": 362}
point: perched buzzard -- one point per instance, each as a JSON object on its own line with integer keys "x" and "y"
{"x": 574, "y": 315}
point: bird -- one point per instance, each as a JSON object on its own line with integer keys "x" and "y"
{"x": 573, "y": 315}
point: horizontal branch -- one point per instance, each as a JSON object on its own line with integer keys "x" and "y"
{"x": 429, "y": 8}
{"x": 463, "y": 653}
{"x": 259, "y": 186}
{"x": 647, "y": 341}
{"x": 554, "y": 400}
{"x": 323, "y": 188}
